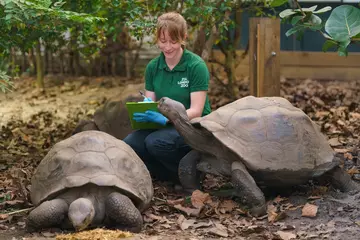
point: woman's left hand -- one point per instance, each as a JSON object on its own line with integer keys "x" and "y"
{"x": 150, "y": 116}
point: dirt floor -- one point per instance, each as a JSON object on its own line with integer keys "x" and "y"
{"x": 32, "y": 121}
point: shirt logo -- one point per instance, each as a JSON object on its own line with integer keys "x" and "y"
{"x": 184, "y": 83}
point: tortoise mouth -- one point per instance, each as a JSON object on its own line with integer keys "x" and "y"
{"x": 162, "y": 106}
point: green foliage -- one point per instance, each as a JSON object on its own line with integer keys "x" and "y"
{"x": 24, "y": 22}
{"x": 341, "y": 28}
{"x": 5, "y": 83}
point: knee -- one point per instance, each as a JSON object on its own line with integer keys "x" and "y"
{"x": 157, "y": 146}
{"x": 134, "y": 142}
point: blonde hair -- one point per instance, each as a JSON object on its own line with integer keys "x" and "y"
{"x": 175, "y": 24}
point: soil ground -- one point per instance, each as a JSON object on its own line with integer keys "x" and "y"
{"x": 32, "y": 121}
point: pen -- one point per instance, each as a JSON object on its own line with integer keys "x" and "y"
{"x": 142, "y": 94}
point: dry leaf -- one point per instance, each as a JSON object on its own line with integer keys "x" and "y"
{"x": 4, "y": 216}
{"x": 355, "y": 115}
{"x": 227, "y": 205}
{"x": 334, "y": 142}
{"x": 201, "y": 224}
{"x": 189, "y": 211}
{"x": 175, "y": 202}
{"x": 353, "y": 171}
{"x": 286, "y": 235}
{"x": 314, "y": 197}
{"x": 48, "y": 234}
{"x": 199, "y": 198}
{"x": 187, "y": 223}
{"x": 348, "y": 156}
{"x": 219, "y": 230}
{"x": 279, "y": 199}
{"x": 340, "y": 122}
{"x": 321, "y": 114}
{"x": 341, "y": 150}
{"x": 153, "y": 216}
{"x": 3, "y": 227}
{"x": 309, "y": 210}
{"x": 271, "y": 211}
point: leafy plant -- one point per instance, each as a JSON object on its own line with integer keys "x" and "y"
{"x": 5, "y": 83}
{"x": 26, "y": 23}
{"x": 340, "y": 29}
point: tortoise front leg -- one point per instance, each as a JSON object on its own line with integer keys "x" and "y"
{"x": 342, "y": 180}
{"x": 188, "y": 174}
{"x": 123, "y": 213}
{"x": 247, "y": 190}
{"x": 48, "y": 214}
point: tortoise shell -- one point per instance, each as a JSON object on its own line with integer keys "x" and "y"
{"x": 92, "y": 157}
{"x": 269, "y": 133}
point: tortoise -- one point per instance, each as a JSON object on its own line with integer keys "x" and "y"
{"x": 112, "y": 117}
{"x": 89, "y": 180}
{"x": 257, "y": 141}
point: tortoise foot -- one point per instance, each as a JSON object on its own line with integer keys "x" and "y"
{"x": 247, "y": 190}
{"x": 123, "y": 213}
{"x": 258, "y": 211}
{"x": 189, "y": 176}
{"x": 342, "y": 181}
{"x": 46, "y": 215}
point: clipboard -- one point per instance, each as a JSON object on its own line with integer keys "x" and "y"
{"x": 133, "y": 107}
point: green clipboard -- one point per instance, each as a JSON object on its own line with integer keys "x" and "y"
{"x": 133, "y": 107}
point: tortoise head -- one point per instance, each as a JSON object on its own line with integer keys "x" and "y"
{"x": 81, "y": 213}
{"x": 172, "y": 109}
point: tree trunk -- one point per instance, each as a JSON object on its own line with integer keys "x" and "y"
{"x": 209, "y": 44}
{"x": 32, "y": 62}
{"x": 98, "y": 66}
{"x": 127, "y": 62}
{"x": 46, "y": 60}
{"x": 13, "y": 62}
{"x": 113, "y": 63}
{"x": 78, "y": 67}
{"x": 39, "y": 66}
{"x": 61, "y": 64}
{"x": 105, "y": 59}
{"x": 136, "y": 58}
{"x": 50, "y": 67}
{"x": 230, "y": 56}
{"x": 23, "y": 62}
{"x": 200, "y": 41}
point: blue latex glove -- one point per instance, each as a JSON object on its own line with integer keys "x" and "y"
{"x": 148, "y": 99}
{"x": 150, "y": 116}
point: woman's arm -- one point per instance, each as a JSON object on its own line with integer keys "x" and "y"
{"x": 150, "y": 94}
{"x": 197, "y": 104}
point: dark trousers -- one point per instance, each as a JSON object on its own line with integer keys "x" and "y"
{"x": 161, "y": 150}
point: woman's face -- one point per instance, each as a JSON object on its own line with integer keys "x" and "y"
{"x": 169, "y": 47}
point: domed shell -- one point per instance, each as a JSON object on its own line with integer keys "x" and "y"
{"x": 268, "y": 130}
{"x": 92, "y": 157}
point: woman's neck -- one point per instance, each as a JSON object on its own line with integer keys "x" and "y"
{"x": 172, "y": 62}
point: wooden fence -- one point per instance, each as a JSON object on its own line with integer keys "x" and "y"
{"x": 313, "y": 65}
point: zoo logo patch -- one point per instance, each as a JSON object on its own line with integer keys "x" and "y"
{"x": 184, "y": 83}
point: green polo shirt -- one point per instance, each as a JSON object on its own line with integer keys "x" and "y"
{"x": 189, "y": 75}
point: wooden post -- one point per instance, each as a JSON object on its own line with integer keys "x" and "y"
{"x": 264, "y": 60}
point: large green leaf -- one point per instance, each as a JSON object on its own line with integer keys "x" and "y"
{"x": 343, "y": 23}
{"x": 324, "y": 9}
{"x": 277, "y": 3}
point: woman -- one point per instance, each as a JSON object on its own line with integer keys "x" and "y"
{"x": 180, "y": 75}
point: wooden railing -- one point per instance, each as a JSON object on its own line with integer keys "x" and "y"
{"x": 313, "y": 65}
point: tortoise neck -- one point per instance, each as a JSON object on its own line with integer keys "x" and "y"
{"x": 198, "y": 139}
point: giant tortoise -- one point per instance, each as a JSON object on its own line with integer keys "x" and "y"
{"x": 88, "y": 180}
{"x": 255, "y": 141}
{"x": 112, "y": 117}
